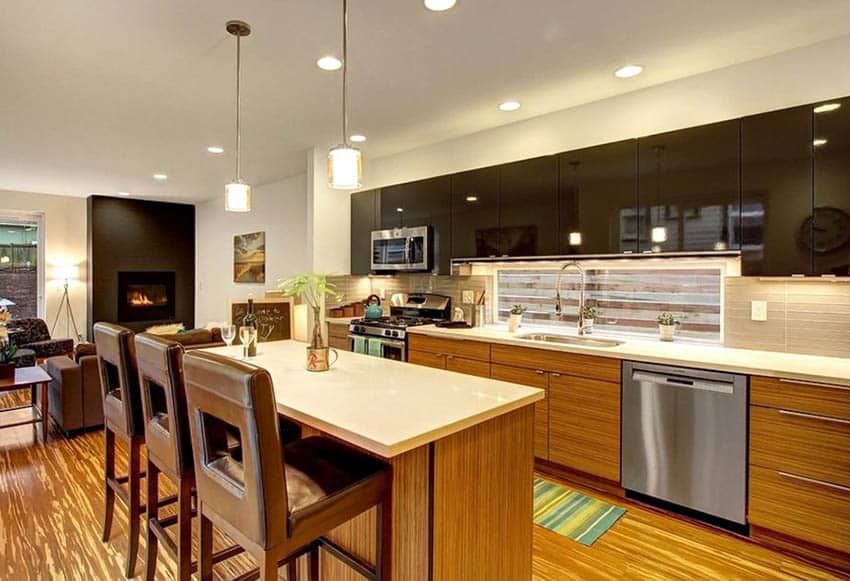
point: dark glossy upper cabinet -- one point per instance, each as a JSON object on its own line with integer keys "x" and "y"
{"x": 422, "y": 203}
{"x": 831, "y": 229}
{"x": 365, "y": 217}
{"x": 528, "y": 199}
{"x": 689, "y": 191}
{"x": 598, "y": 199}
{"x": 475, "y": 213}
{"x": 776, "y": 192}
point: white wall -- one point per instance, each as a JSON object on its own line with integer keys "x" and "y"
{"x": 791, "y": 78}
{"x": 279, "y": 209}
{"x": 64, "y": 222}
{"x": 329, "y": 213}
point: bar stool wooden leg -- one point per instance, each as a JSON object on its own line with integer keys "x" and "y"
{"x": 314, "y": 563}
{"x": 268, "y": 568}
{"x": 152, "y": 515}
{"x": 184, "y": 529}
{"x": 205, "y": 558}
{"x": 292, "y": 570}
{"x": 109, "y": 474}
{"x": 134, "y": 486}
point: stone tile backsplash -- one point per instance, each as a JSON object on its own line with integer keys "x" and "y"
{"x": 809, "y": 317}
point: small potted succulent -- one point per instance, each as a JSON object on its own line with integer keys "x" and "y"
{"x": 588, "y": 314}
{"x": 515, "y": 318}
{"x": 667, "y": 325}
{"x": 7, "y": 359}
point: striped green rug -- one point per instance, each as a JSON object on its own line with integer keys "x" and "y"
{"x": 572, "y": 514}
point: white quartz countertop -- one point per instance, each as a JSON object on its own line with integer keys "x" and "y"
{"x": 833, "y": 370}
{"x": 341, "y": 320}
{"x": 380, "y": 405}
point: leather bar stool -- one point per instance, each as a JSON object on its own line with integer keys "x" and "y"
{"x": 278, "y": 501}
{"x": 122, "y": 417}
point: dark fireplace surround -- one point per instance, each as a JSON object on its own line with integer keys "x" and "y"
{"x": 146, "y": 296}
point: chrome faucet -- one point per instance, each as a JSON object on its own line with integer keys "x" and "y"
{"x": 582, "y": 282}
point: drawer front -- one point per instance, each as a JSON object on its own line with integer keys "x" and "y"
{"x": 468, "y": 366}
{"x": 468, "y": 349}
{"x": 339, "y": 331}
{"x": 427, "y": 359}
{"x": 824, "y": 400}
{"x": 602, "y": 368}
{"x": 809, "y": 511}
{"x": 584, "y": 425}
{"x": 341, "y": 344}
{"x": 800, "y": 443}
{"x": 531, "y": 378}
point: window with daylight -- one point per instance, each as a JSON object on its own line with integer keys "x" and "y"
{"x": 627, "y": 299}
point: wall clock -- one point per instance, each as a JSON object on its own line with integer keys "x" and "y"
{"x": 831, "y": 229}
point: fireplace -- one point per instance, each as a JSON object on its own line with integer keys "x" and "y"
{"x": 145, "y": 296}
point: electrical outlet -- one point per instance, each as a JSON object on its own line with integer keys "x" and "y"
{"x": 468, "y": 297}
{"x": 758, "y": 310}
{"x": 382, "y": 293}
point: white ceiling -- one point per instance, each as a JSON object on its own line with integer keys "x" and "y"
{"x": 97, "y": 96}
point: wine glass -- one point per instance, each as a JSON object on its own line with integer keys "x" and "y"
{"x": 247, "y": 335}
{"x": 228, "y": 334}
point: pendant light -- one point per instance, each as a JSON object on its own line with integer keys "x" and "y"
{"x": 237, "y": 194}
{"x": 345, "y": 163}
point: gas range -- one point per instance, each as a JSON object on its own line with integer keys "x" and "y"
{"x": 391, "y": 332}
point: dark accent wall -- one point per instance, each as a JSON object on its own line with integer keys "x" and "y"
{"x": 137, "y": 235}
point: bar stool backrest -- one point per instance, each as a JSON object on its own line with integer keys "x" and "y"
{"x": 249, "y": 495}
{"x": 160, "y": 363}
{"x": 119, "y": 379}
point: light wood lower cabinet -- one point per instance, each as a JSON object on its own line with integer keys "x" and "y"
{"x": 814, "y": 511}
{"x": 532, "y": 378}
{"x": 584, "y": 425}
{"x": 467, "y": 366}
{"x": 338, "y": 337}
{"x": 435, "y": 360}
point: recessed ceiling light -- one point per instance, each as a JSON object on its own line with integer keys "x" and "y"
{"x": 439, "y": 5}
{"x": 471, "y": 198}
{"x": 215, "y": 149}
{"x": 827, "y": 107}
{"x": 329, "y": 63}
{"x": 160, "y": 177}
{"x": 123, "y": 193}
{"x": 357, "y": 138}
{"x": 509, "y": 106}
{"x": 628, "y": 71}
{"x": 399, "y": 209}
{"x": 819, "y": 141}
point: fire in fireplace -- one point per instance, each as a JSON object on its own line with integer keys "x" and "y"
{"x": 145, "y": 296}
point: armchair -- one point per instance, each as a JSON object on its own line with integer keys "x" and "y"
{"x": 74, "y": 394}
{"x": 33, "y": 334}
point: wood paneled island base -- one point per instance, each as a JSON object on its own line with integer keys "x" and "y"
{"x": 462, "y": 508}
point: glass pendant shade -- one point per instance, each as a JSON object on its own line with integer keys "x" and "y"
{"x": 237, "y": 197}
{"x": 345, "y": 167}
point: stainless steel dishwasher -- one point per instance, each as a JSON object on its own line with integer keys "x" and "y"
{"x": 685, "y": 438}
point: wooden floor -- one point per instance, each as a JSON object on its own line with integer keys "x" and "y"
{"x": 51, "y": 506}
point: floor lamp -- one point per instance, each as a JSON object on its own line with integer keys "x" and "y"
{"x": 66, "y": 274}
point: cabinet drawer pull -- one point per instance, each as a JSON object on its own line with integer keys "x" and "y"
{"x": 814, "y": 417}
{"x": 813, "y": 384}
{"x": 555, "y": 374}
{"x": 813, "y": 481}
{"x": 450, "y": 356}
{"x": 539, "y": 371}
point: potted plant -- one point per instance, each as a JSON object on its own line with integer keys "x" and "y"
{"x": 667, "y": 325}
{"x": 588, "y": 315}
{"x": 7, "y": 359}
{"x": 515, "y": 318}
{"x": 313, "y": 290}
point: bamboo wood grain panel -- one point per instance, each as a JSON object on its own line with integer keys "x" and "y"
{"x": 825, "y": 400}
{"x": 426, "y": 358}
{"x": 339, "y": 331}
{"x": 816, "y": 446}
{"x": 462, "y": 348}
{"x": 531, "y": 378}
{"x": 584, "y": 425}
{"x": 482, "y": 507}
{"x": 602, "y": 368}
{"x": 468, "y": 366}
{"x": 339, "y": 343}
{"x": 809, "y": 511}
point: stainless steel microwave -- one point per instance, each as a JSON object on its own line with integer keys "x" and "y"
{"x": 402, "y": 249}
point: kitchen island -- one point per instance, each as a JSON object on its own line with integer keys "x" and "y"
{"x": 461, "y": 449}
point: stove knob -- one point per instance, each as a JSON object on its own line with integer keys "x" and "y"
{"x": 395, "y": 333}
{"x": 387, "y": 332}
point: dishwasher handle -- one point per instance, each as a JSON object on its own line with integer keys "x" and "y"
{"x": 726, "y": 387}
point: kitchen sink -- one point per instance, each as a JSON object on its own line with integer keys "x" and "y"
{"x": 570, "y": 340}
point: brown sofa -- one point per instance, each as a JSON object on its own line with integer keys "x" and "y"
{"x": 73, "y": 393}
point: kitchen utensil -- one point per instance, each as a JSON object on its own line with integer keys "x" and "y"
{"x": 373, "y": 307}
